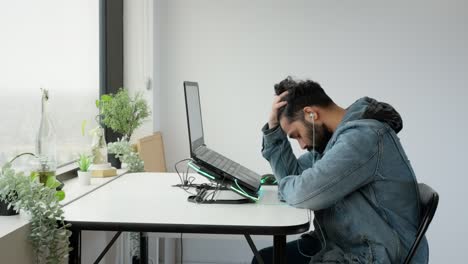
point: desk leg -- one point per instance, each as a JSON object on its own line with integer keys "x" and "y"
{"x": 143, "y": 248}
{"x": 279, "y": 249}
{"x": 74, "y": 256}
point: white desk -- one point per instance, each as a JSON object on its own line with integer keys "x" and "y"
{"x": 146, "y": 202}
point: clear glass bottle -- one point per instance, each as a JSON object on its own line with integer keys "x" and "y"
{"x": 46, "y": 143}
{"x": 99, "y": 146}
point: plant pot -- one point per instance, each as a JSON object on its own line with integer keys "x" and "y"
{"x": 112, "y": 136}
{"x": 115, "y": 162}
{"x": 5, "y": 211}
{"x": 136, "y": 260}
{"x": 84, "y": 177}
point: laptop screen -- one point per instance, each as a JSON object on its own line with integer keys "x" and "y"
{"x": 194, "y": 118}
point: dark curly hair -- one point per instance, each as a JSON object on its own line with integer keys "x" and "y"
{"x": 300, "y": 94}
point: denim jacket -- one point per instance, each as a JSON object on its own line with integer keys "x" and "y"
{"x": 362, "y": 188}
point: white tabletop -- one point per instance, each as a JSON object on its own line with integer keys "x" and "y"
{"x": 148, "y": 202}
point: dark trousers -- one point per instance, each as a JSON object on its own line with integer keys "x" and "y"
{"x": 308, "y": 244}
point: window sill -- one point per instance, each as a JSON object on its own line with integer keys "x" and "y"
{"x": 66, "y": 168}
{"x": 73, "y": 191}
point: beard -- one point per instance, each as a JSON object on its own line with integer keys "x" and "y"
{"x": 322, "y": 136}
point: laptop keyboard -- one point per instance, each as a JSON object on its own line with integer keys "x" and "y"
{"x": 225, "y": 164}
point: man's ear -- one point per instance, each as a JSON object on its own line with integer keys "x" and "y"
{"x": 311, "y": 113}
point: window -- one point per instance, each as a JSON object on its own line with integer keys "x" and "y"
{"x": 52, "y": 44}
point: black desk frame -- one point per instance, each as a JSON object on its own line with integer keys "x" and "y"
{"x": 279, "y": 235}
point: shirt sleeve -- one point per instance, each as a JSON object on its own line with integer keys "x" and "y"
{"x": 276, "y": 149}
{"x": 349, "y": 164}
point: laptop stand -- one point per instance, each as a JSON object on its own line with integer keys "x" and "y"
{"x": 229, "y": 184}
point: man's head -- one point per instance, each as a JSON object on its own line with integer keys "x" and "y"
{"x": 305, "y": 113}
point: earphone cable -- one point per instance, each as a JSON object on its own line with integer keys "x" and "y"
{"x": 324, "y": 242}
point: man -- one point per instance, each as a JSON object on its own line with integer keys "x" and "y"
{"x": 355, "y": 177}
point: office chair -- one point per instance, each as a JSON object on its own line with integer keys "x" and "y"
{"x": 429, "y": 199}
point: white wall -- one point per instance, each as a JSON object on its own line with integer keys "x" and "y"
{"x": 412, "y": 54}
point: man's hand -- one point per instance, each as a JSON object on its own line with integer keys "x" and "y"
{"x": 277, "y": 104}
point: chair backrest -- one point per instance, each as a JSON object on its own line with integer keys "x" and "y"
{"x": 429, "y": 199}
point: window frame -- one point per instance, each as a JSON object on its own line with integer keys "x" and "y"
{"x": 111, "y": 51}
{"x": 111, "y": 68}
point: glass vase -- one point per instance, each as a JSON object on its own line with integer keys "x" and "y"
{"x": 99, "y": 146}
{"x": 46, "y": 142}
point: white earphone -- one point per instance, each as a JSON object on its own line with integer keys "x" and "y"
{"x": 312, "y": 116}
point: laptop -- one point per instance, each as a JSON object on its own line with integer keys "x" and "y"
{"x": 208, "y": 160}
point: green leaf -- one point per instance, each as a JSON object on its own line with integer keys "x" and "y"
{"x": 83, "y": 125}
{"x": 25, "y": 193}
{"x": 124, "y": 113}
{"x": 60, "y": 195}
{"x": 50, "y": 181}
{"x": 84, "y": 162}
{"x": 6, "y": 166}
{"x": 97, "y": 103}
{"x": 106, "y": 98}
{"x": 33, "y": 175}
{"x": 55, "y": 185}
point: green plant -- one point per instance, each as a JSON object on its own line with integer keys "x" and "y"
{"x": 49, "y": 235}
{"x": 11, "y": 196}
{"x": 83, "y": 126}
{"x": 84, "y": 162}
{"x": 123, "y": 113}
{"x": 124, "y": 151}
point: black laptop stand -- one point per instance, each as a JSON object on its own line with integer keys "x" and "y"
{"x": 224, "y": 183}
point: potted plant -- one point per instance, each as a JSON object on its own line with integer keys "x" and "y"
{"x": 123, "y": 113}
{"x": 49, "y": 235}
{"x": 7, "y": 198}
{"x": 123, "y": 150}
{"x": 84, "y": 175}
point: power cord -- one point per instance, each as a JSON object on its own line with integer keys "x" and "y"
{"x": 183, "y": 178}
{"x": 216, "y": 191}
{"x": 185, "y": 181}
{"x": 205, "y": 192}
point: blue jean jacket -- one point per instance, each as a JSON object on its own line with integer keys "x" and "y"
{"x": 362, "y": 188}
